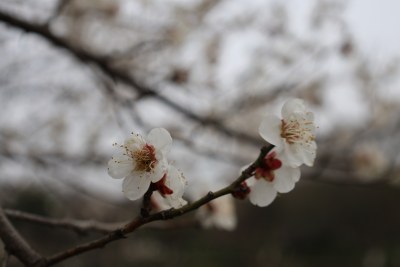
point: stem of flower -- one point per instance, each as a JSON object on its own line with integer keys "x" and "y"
{"x": 146, "y": 204}
{"x": 163, "y": 215}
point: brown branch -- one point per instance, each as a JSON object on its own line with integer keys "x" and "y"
{"x": 16, "y": 245}
{"x": 79, "y": 226}
{"x": 105, "y": 65}
{"x": 122, "y": 232}
{"x": 146, "y": 203}
{"x": 85, "y": 226}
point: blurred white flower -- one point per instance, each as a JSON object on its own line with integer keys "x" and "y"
{"x": 219, "y": 213}
{"x": 369, "y": 161}
{"x": 141, "y": 161}
{"x": 294, "y": 133}
{"x": 170, "y": 189}
{"x": 275, "y": 176}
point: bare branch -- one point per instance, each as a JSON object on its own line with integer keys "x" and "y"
{"x": 85, "y": 226}
{"x": 163, "y": 215}
{"x": 16, "y": 245}
{"x": 79, "y": 226}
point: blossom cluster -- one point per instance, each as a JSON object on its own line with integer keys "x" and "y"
{"x": 142, "y": 161}
{"x": 293, "y": 136}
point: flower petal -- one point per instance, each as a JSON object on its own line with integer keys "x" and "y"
{"x": 293, "y": 106}
{"x": 293, "y": 154}
{"x": 160, "y": 139}
{"x": 175, "y": 181}
{"x": 285, "y": 179}
{"x": 159, "y": 170}
{"x": 308, "y": 153}
{"x": 120, "y": 166}
{"x": 175, "y": 202}
{"x": 298, "y": 154}
{"x": 262, "y": 193}
{"x": 134, "y": 187}
{"x": 270, "y": 130}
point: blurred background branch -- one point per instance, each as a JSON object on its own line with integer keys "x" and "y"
{"x": 16, "y": 245}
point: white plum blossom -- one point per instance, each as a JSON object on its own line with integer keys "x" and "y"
{"x": 294, "y": 133}
{"x": 274, "y": 176}
{"x": 170, "y": 189}
{"x": 141, "y": 161}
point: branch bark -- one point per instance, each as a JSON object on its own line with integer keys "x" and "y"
{"x": 16, "y": 245}
{"x": 79, "y": 226}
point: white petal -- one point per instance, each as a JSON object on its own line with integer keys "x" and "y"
{"x": 293, "y": 155}
{"x": 285, "y": 178}
{"x": 251, "y": 181}
{"x": 298, "y": 154}
{"x": 134, "y": 187}
{"x": 270, "y": 130}
{"x": 160, "y": 139}
{"x": 296, "y": 173}
{"x": 158, "y": 172}
{"x": 293, "y": 106}
{"x": 144, "y": 175}
{"x": 167, "y": 202}
{"x": 120, "y": 166}
{"x": 175, "y": 202}
{"x": 175, "y": 181}
{"x": 281, "y": 155}
{"x": 262, "y": 193}
{"x": 308, "y": 153}
{"x": 309, "y": 116}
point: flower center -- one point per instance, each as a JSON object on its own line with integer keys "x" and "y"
{"x": 297, "y": 131}
{"x": 145, "y": 158}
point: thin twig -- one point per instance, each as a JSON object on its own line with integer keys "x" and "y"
{"x": 163, "y": 215}
{"x": 16, "y": 245}
{"x": 79, "y": 226}
{"x": 85, "y": 226}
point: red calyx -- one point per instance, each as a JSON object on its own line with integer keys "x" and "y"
{"x": 162, "y": 188}
{"x": 270, "y": 164}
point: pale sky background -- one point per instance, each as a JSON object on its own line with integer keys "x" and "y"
{"x": 375, "y": 24}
